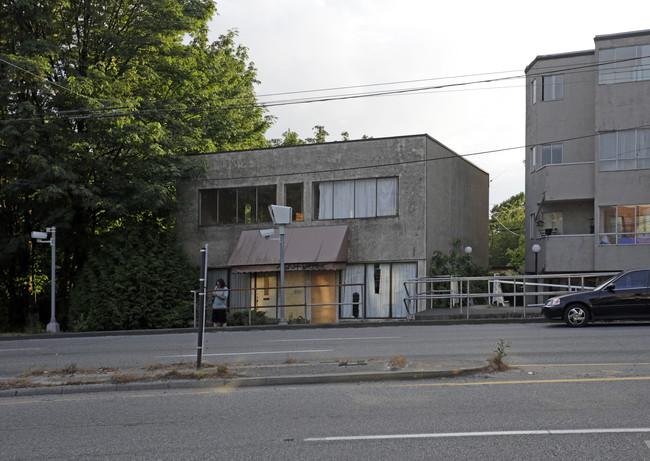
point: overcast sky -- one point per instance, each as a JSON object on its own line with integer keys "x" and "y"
{"x": 384, "y": 45}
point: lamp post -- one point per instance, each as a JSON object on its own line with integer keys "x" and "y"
{"x": 53, "y": 326}
{"x": 468, "y": 250}
{"x": 280, "y": 215}
{"x": 536, "y": 249}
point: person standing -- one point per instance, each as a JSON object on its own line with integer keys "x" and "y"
{"x": 219, "y": 304}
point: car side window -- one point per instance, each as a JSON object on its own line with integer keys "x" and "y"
{"x": 638, "y": 279}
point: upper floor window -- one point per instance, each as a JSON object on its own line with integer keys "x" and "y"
{"x": 236, "y": 205}
{"x": 552, "y": 87}
{"x": 360, "y": 198}
{"x": 551, "y": 154}
{"x": 624, "y": 224}
{"x": 293, "y": 197}
{"x": 533, "y": 91}
{"x": 624, "y": 64}
{"x": 624, "y": 150}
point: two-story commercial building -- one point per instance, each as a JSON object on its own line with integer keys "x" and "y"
{"x": 367, "y": 215}
{"x": 588, "y": 160}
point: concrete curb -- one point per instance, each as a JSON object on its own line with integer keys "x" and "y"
{"x": 333, "y": 378}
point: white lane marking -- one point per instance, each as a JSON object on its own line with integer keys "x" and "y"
{"x": 252, "y": 353}
{"x": 647, "y": 442}
{"x": 479, "y": 434}
{"x": 333, "y": 339}
{"x": 23, "y": 349}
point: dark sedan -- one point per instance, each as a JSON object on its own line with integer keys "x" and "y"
{"x": 625, "y": 296}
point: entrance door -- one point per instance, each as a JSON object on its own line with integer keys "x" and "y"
{"x": 321, "y": 312}
{"x": 265, "y": 293}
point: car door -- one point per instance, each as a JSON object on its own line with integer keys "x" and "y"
{"x": 624, "y": 298}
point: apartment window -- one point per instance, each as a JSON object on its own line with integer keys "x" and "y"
{"x": 553, "y": 220}
{"x": 361, "y": 198}
{"x": 533, "y": 92}
{"x": 293, "y": 197}
{"x": 624, "y": 150}
{"x": 624, "y": 224}
{"x": 624, "y": 64}
{"x": 552, "y": 87}
{"x": 235, "y": 205}
{"x": 551, "y": 154}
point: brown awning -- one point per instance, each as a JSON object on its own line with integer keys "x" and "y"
{"x": 305, "y": 248}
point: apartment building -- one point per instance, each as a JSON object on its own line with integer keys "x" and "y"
{"x": 367, "y": 214}
{"x": 588, "y": 159}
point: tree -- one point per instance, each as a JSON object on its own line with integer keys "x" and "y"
{"x": 100, "y": 104}
{"x": 289, "y": 138}
{"x": 455, "y": 263}
{"x": 506, "y": 241}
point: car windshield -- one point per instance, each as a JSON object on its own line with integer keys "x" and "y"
{"x": 606, "y": 282}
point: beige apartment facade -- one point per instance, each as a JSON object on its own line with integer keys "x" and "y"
{"x": 588, "y": 159}
{"x": 367, "y": 215}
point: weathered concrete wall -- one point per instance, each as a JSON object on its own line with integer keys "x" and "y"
{"x": 381, "y": 239}
{"x": 457, "y": 203}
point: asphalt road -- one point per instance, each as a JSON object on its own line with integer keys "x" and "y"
{"x": 529, "y": 343}
{"x": 573, "y": 394}
{"x": 513, "y": 415}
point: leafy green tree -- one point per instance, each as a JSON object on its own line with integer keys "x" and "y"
{"x": 455, "y": 263}
{"x": 100, "y": 104}
{"x": 506, "y": 240}
{"x": 320, "y": 135}
{"x": 289, "y": 138}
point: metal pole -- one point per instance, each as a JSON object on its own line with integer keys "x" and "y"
{"x": 53, "y": 326}
{"x": 203, "y": 293}
{"x": 282, "y": 319}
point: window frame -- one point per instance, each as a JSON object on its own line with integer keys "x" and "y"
{"x": 614, "y": 153}
{"x": 349, "y": 203}
{"x": 555, "y": 155}
{"x": 553, "y": 90}
{"x": 632, "y": 66}
{"x": 231, "y": 211}
{"x": 624, "y": 224}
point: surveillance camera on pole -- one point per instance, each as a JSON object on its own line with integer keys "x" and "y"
{"x": 267, "y": 233}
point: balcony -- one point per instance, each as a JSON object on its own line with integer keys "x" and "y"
{"x": 567, "y": 181}
{"x": 566, "y": 253}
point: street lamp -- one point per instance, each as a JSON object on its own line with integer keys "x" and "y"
{"x": 468, "y": 250}
{"x": 280, "y": 215}
{"x": 536, "y": 249}
{"x": 53, "y": 326}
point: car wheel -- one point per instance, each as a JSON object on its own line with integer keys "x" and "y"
{"x": 576, "y": 315}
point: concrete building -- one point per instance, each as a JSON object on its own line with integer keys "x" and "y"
{"x": 588, "y": 159}
{"x": 367, "y": 214}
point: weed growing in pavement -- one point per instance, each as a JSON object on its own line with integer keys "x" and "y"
{"x": 398, "y": 362}
{"x": 497, "y": 361}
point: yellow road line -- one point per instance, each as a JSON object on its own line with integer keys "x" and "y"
{"x": 532, "y": 381}
{"x": 580, "y": 364}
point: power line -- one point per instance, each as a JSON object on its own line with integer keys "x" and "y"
{"x": 115, "y": 112}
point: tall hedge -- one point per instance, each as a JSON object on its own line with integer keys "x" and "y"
{"x": 137, "y": 279}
